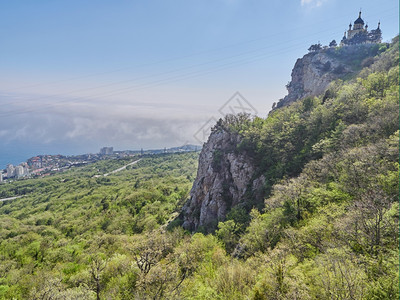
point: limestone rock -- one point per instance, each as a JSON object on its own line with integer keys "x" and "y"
{"x": 313, "y": 73}
{"x": 223, "y": 177}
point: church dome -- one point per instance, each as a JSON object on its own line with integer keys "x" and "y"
{"x": 359, "y": 20}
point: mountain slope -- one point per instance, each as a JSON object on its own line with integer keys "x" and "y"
{"x": 321, "y": 175}
{"x": 328, "y": 227}
{"x": 280, "y": 145}
{"x": 52, "y": 239}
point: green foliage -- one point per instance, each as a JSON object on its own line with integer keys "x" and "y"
{"x": 354, "y": 55}
{"x": 228, "y": 233}
{"x": 328, "y": 228}
{"x": 67, "y": 222}
{"x": 264, "y": 232}
{"x": 331, "y": 211}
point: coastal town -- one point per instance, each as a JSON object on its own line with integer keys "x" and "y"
{"x": 45, "y": 165}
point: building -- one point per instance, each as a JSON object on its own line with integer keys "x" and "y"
{"x": 21, "y": 170}
{"x": 359, "y": 34}
{"x": 10, "y": 171}
{"x": 1, "y": 176}
{"x": 106, "y": 150}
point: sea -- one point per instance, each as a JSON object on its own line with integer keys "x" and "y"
{"x": 16, "y": 154}
{"x": 13, "y": 158}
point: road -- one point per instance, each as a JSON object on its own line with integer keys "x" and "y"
{"x": 112, "y": 172}
{"x": 122, "y": 168}
{"x": 11, "y": 198}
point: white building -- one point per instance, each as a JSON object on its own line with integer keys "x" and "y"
{"x": 26, "y": 168}
{"x": 10, "y": 171}
{"x": 21, "y": 170}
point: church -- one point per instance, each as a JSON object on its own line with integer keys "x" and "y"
{"x": 359, "y": 34}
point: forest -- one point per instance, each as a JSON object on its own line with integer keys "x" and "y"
{"x": 327, "y": 228}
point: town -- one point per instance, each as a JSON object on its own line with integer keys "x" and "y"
{"x": 45, "y": 165}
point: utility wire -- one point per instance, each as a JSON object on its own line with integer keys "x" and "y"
{"x": 160, "y": 82}
{"x": 171, "y": 71}
{"x": 190, "y": 55}
{"x": 193, "y": 74}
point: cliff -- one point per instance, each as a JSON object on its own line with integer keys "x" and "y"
{"x": 224, "y": 178}
{"x": 313, "y": 72}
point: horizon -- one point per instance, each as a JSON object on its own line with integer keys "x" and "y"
{"x": 16, "y": 161}
{"x": 77, "y": 76}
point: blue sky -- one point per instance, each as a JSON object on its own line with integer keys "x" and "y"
{"x": 77, "y": 75}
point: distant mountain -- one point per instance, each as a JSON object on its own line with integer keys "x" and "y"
{"x": 183, "y": 148}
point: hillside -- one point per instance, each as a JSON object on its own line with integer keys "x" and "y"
{"x": 302, "y": 204}
{"x": 50, "y": 238}
{"x": 328, "y": 167}
{"x": 244, "y": 158}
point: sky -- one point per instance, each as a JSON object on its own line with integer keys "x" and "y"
{"x": 79, "y": 75}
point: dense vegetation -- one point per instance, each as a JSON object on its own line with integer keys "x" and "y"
{"x": 51, "y": 237}
{"x": 329, "y": 224}
{"x": 328, "y": 228}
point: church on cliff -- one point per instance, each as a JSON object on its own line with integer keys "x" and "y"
{"x": 359, "y": 34}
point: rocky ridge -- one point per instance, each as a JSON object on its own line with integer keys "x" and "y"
{"x": 313, "y": 72}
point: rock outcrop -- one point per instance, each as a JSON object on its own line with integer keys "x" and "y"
{"x": 313, "y": 72}
{"x": 223, "y": 179}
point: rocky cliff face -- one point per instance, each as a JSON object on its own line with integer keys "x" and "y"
{"x": 223, "y": 178}
{"x": 313, "y": 72}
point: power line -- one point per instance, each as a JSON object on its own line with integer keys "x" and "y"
{"x": 186, "y": 56}
{"x": 193, "y": 74}
{"x": 171, "y": 71}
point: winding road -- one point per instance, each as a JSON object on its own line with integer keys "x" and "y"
{"x": 122, "y": 168}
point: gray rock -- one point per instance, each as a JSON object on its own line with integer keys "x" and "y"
{"x": 223, "y": 177}
{"x": 313, "y": 73}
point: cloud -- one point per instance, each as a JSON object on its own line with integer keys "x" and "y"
{"x": 91, "y": 124}
{"x": 312, "y": 3}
